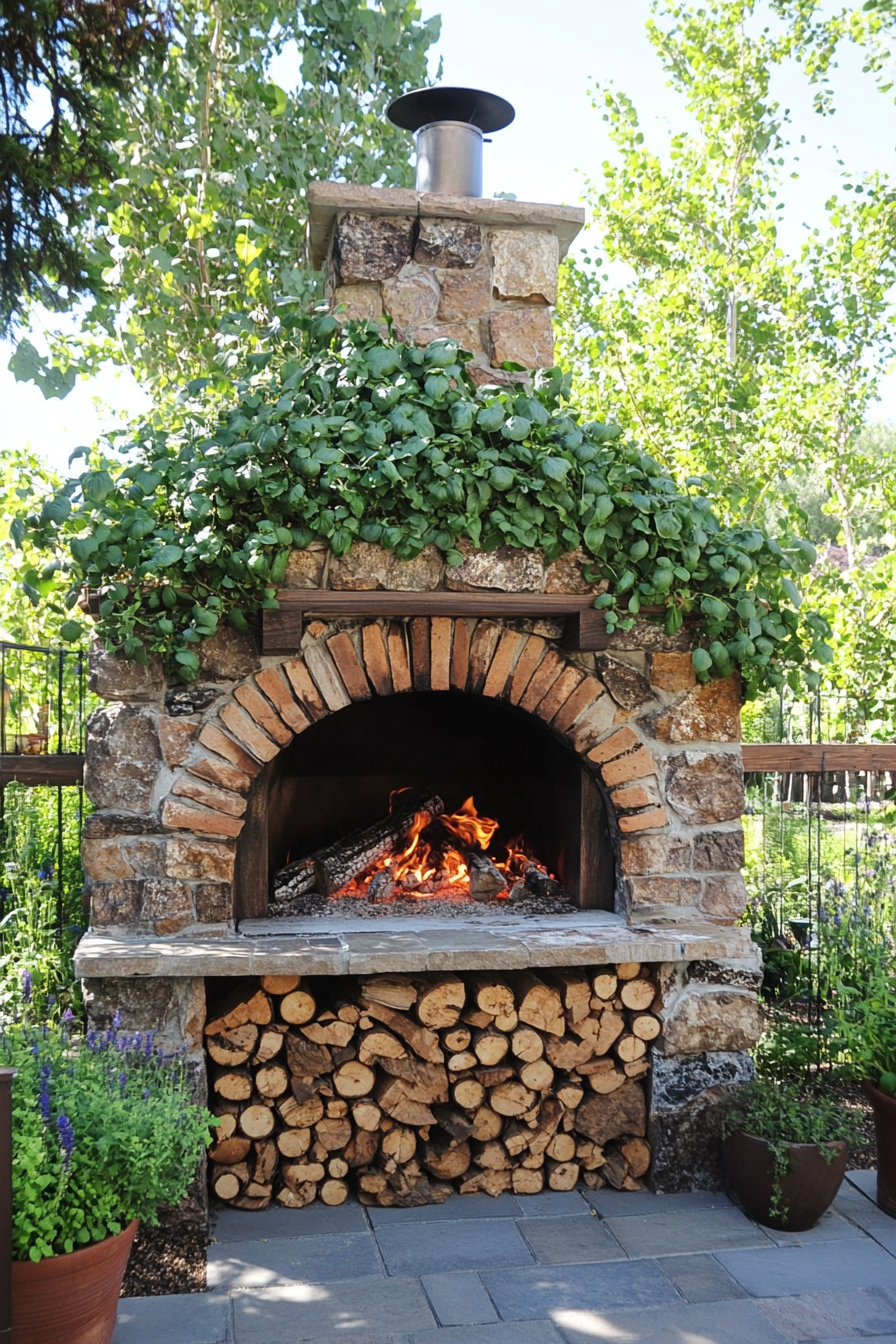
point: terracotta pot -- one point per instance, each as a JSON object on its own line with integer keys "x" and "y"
{"x": 885, "y": 1129}
{"x": 807, "y": 1191}
{"x": 70, "y": 1299}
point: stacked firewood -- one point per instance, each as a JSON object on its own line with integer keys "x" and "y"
{"x": 409, "y": 1087}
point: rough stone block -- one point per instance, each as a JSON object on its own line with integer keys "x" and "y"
{"x": 647, "y": 892}
{"x": 194, "y": 859}
{"x": 628, "y": 687}
{"x": 468, "y": 336}
{"x": 305, "y": 569}
{"x": 654, "y": 854}
{"x": 105, "y": 860}
{"x": 688, "y": 1096}
{"x": 725, "y": 898}
{"x": 181, "y": 701}
{"x": 123, "y": 757}
{"x": 214, "y": 902}
{"x": 644, "y": 821}
{"x": 167, "y": 904}
{"x": 565, "y": 574}
{"x": 672, "y": 672}
{"x": 523, "y": 335}
{"x": 707, "y": 1017}
{"x": 708, "y": 713}
{"x": 358, "y": 303}
{"x": 719, "y": 851}
{"x": 229, "y": 655}
{"x": 107, "y": 825}
{"x": 172, "y": 1008}
{"x": 464, "y": 294}
{"x": 411, "y": 299}
{"x": 705, "y": 787}
{"x": 736, "y": 974}
{"x": 368, "y": 567}
{"x": 371, "y": 247}
{"x": 524, "y": 264}
{"x": 114, "y": 678}
{"x": 448, "y": 243}
{"x": 113, "y": 903}
{"x": 175, "y": 739}
{"x": 508, "y": 569}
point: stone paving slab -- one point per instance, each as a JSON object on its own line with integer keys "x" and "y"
{"x": 522, "y": 1332}
{"x": 833, "y": 1227}
{"x": 633, "y": 1204}
{"x": 432, "y": 1248}
{"x": 685, "y": 1232}
{"x": 253, "y": 1264}
{"x": 684, "y": 1323}
{"x": 551, "y": 1204}
{"x": 540, "y": 1292}
{"x": 821, "y": 1315}
{"x": 700, "y": 1278}
{"x": 836, "y": 1266}
{"x": 315, "y": 1220}
{"x": 457, "y": 1207}
{"x": 182, "y": 1318}
{"x": 865, "y": 1182}
{"x": 303, "y": 1311}
{"x": 459, "y": 1298}
{"x": 570, "y": 1241}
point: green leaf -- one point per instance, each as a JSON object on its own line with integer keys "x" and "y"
{"x": 555, "y": 468}
{"x": 167, "y": 555}
{"x": 701, "y": 660}
{"x": 516, "y": 429}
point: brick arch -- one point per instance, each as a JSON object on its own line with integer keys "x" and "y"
{"x": 365, "y": 660}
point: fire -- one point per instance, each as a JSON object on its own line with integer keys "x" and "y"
{"x": 435, "y": 861}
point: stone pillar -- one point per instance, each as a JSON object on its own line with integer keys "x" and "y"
{"x": 478, "y": 271}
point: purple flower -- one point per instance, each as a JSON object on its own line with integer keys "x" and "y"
{"x": 123, "y": 1080}
{"x": 146, "y": 1094}
{"x": 27, "y": 986}
{"x": 116, "y": 1021}
{"x": 51, "y": 999}
{"x": 66, "y": 1138}
{"x": 68, "y": 1015}
{"x": 45, "y": 1093}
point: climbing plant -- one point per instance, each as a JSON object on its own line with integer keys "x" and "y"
{"x": 343, "y": 436}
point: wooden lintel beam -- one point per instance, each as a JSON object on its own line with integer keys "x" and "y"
{"x": 66, "y": 768}
{"x": 817, "y": 757}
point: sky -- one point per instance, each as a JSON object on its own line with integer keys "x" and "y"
{"x": 546, "y": 70}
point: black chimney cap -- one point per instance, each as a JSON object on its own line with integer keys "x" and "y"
{"x": 443, "y": 103}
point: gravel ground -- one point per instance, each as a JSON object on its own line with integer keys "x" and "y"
{"x": 166, "y": 1260}
{"x": 314, "y": 906}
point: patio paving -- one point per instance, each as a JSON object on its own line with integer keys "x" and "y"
{"x": 549, "y": 1269}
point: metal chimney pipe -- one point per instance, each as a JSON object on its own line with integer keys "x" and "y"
{"x": 449, "y": 125}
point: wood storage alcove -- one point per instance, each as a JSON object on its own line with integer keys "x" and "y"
{"x": 339, "y": 775}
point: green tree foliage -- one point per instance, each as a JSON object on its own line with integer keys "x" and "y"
{"x": 201, "y": 231}
{"x": 63, "y": 68}
{"x": 32, "y": 582}
{"x": 341, "y": 437}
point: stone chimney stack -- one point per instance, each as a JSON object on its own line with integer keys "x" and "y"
{"x": 479, "y": 271}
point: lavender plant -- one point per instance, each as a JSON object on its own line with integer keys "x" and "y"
{"x": 104, "y": 1131}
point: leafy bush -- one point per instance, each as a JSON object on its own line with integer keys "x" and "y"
{"x": 103, "y": 1131}
{"x": 341, "y": 436}
{"x": 862, "y": 1025}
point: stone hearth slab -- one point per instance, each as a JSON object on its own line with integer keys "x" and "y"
{"x": 356, "y": 947}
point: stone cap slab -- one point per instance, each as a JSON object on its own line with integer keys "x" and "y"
{"x": 358, "y": 947}
{"x": 328, "y": 199}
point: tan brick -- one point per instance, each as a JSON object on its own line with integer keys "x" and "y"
{"x": 349, "y": 666}
{"x": 559, "y": 693}
{"x": 222, "y": 800}
{"x": 211, "y": 736}
{"x": 622, "y": 741}
{"x": 635, "y": 765}
{"x": 220, "y": 772}
{"x": 281, "y": 697}
{"x": 178, "y": 817}
{"x": 634, "y": 795}
{"x": 545, "y": 675}
{"x": 398, "y": 656}
{"x": 376, "y": 659}
{"x": 418, "y": 630}
{"x": 254, "y": 703}
{"x": 208, "y": 860}
{"x": 460, "y": 655}
{"x": 327, "y": 678}
{"x": 482, "y": 651}
{"x": 591, "y": 725}
{"x": 655, "y": 854}
{"x": 305, "y": 690}
{"x": 650, "y": 891}
{"x": 175, "y": 739}
{"x": 467, "y": 334}
{"x": 506, "y": 653}
{"x": 725, "y": 898}
{"x": 672, "y": 672}
{"x": 531, "y": 656}
{"x": 247, "y": 731}
{"x": 584, "y": 695}
{"x": 644, "y": 821}
{"x": 440, "y": 676}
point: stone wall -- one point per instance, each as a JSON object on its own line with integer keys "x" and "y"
{"x": 480, "y": 272}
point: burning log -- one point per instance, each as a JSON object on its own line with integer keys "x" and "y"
{"x": 337, "y": 864}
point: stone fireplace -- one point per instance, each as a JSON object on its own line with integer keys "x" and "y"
{"x": 495, "y": 679}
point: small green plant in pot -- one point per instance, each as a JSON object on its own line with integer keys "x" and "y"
{"x": 104, "y": 1132}
{"x": 785, "y": 1153}
{"x": 862, "y": 1024}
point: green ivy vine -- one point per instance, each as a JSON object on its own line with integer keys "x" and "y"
{"x": 339, "y": 435}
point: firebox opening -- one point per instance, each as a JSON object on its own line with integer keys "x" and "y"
{"x": 338, "y": 775}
